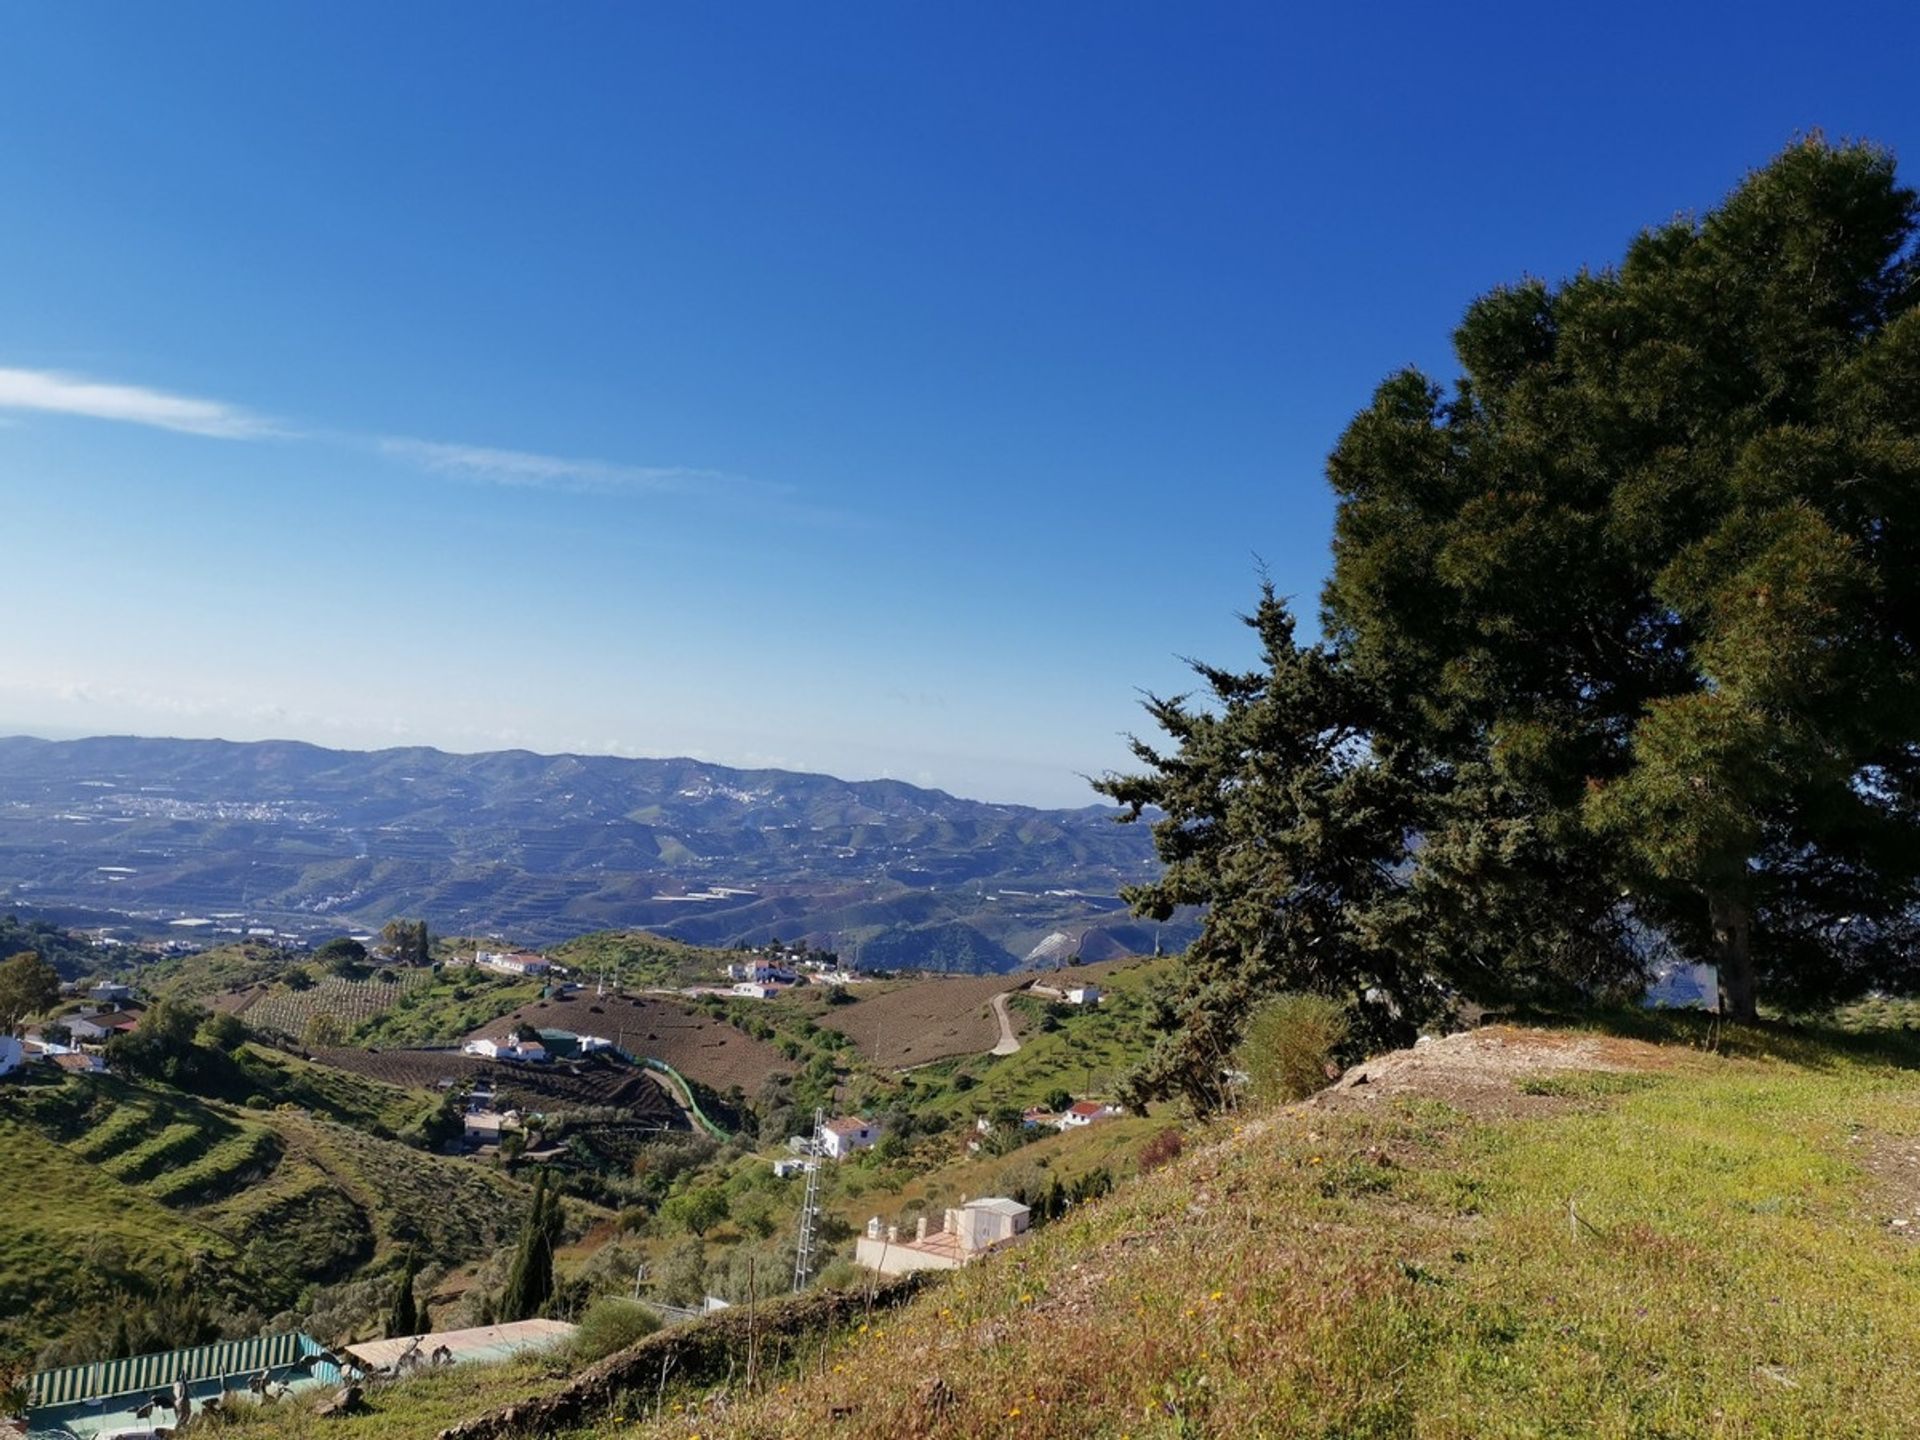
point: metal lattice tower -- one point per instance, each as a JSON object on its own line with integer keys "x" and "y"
{"x": 809, "y": 1209}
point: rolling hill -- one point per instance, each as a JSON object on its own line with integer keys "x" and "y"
{"x": 288, "y": 836}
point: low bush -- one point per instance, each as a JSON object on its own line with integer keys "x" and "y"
{"x": 610, "y": 1324}
{"x": 1288, "y": 1050}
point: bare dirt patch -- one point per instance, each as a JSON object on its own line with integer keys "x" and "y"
{"x": 1482, "y": 1071}
{"x": 926, "y": 1020}
{"x": 710, "y": 1051}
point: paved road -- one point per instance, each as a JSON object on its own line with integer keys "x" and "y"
{"x": 1009, "y": 1042}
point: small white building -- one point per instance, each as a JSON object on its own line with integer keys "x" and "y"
{"x": 786, "y": 1169}
{"x": 509, "y": 1048}
{"x": 838, "y": 1139}
{"x": 970, "y": 1230}
{"x": 516, "y": 962}
{"x": 754, "y": 990}
{"x": 109, "y": 991}
{"x": 1082, "y": 995}
{"x": 763, "y": 972}
{"x": 485, "y": 1127}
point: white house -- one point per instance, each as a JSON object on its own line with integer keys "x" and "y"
{"x": 970, "y": 1230}
{"x": 110, "y": 990}
{"x": 838, "y": 1139}
{"x": 754, "y": 990}
{"x": 518, "y": 962}
{"x": 786, "y": 1169}
{"x": 763, "y": 972}
{"x": 509, "y": 1048}
{"x": 1082, "y": 995}
{"x": 1085, "y": 1112}
{"x": 485, "y": 1127}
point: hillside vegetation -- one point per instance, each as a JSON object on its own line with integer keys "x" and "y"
{"x": 1506, "y": 1233}
{"x": 142, "y": 1191}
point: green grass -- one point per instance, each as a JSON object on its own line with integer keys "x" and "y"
{"x": 1088, "y": 1054}
{"x": 634, "y": 957}
{"x": 457, "y": 1001}
{"x": 1699, "y": 1248}
{"x": 135, "y": 1186}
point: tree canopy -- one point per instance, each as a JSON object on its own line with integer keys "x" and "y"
{"x": 1621, "y": 631}
{"x": 28, "y": 985}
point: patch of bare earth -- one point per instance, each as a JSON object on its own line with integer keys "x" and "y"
{"x": 1480, "y": 1071}
{"x": 1892, "y": 1163}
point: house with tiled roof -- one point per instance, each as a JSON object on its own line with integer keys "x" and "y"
{"x": 837, "y": 1139}
{"x": 1086, "y": 1112}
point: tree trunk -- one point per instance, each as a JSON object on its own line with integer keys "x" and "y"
{"x": 1732, "y": 935}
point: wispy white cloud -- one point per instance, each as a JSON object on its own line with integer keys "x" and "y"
{"x": 51, "y": 392}
{"x": 56, "y": 393}
{"x": 554, "y": 472}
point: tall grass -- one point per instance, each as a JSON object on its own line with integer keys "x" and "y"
{"x": 1289, "y": 1046}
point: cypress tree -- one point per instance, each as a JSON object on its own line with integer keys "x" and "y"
{"x": 530, "y": 1281}
{"x": 404, "y": 1319}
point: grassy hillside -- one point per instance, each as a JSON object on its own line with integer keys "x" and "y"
{"x": 1513, "y": 1233}
{"x": 140, "y": 1189}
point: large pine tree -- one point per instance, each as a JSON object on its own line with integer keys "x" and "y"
{"x": 1651, "y": 572}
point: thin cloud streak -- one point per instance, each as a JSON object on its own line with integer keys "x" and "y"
{"x": 50, "y": 392}
{"x": 55, "y": 393}
{"x": 523, "y": 468}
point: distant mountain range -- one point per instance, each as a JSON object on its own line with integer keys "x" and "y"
{"x": 288, "y": 836}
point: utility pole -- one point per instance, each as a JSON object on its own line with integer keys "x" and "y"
{"x": 809, "y": 1209}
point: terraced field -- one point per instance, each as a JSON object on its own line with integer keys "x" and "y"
{"x": 595, "y": 1082}
{"x": 133, "y": 1186}
{"x": 351, "y": 1002}
{"x": 914, "y": 1023}
{"x": 708, "y": 1051}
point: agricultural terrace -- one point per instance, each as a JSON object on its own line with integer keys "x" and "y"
{"x": 899, "y": 1024}
{"x": 709, "y": 1051}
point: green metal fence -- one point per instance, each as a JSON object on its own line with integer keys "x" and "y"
{"x": 139, "y": 1373}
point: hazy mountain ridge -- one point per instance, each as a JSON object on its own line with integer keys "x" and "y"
{"x": 543, "y": 846}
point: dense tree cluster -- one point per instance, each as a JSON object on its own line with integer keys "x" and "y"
{"x": 1621, "y": 655}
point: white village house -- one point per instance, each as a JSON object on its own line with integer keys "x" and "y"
{"x": 507, "y": 1047}
{"x": 837, "y": 1139}
{"x": 1086, "y": 1112}
{"x": 969, "y": 1230}
{"x": 516, "y": 962}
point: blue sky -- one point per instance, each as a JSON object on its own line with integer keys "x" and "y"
{"x": 876, "y": 389}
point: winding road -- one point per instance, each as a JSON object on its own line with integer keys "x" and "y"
{"x": 1009, "y": 1043}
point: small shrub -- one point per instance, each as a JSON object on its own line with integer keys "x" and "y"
{"x": 1162, "y": 1149}
{"x": 610, "y": 1324}
{"x": 1289, "y": 1046}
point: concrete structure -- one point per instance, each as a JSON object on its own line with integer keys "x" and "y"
{"x": 838, "y": 1139}
{"x": 484, "y": 1342}
{"x": 111, "y": 991}
{"x": 970, "y": 1230}
{"x": 787, "y": 1169}
{"x": 1083, "y": 995}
